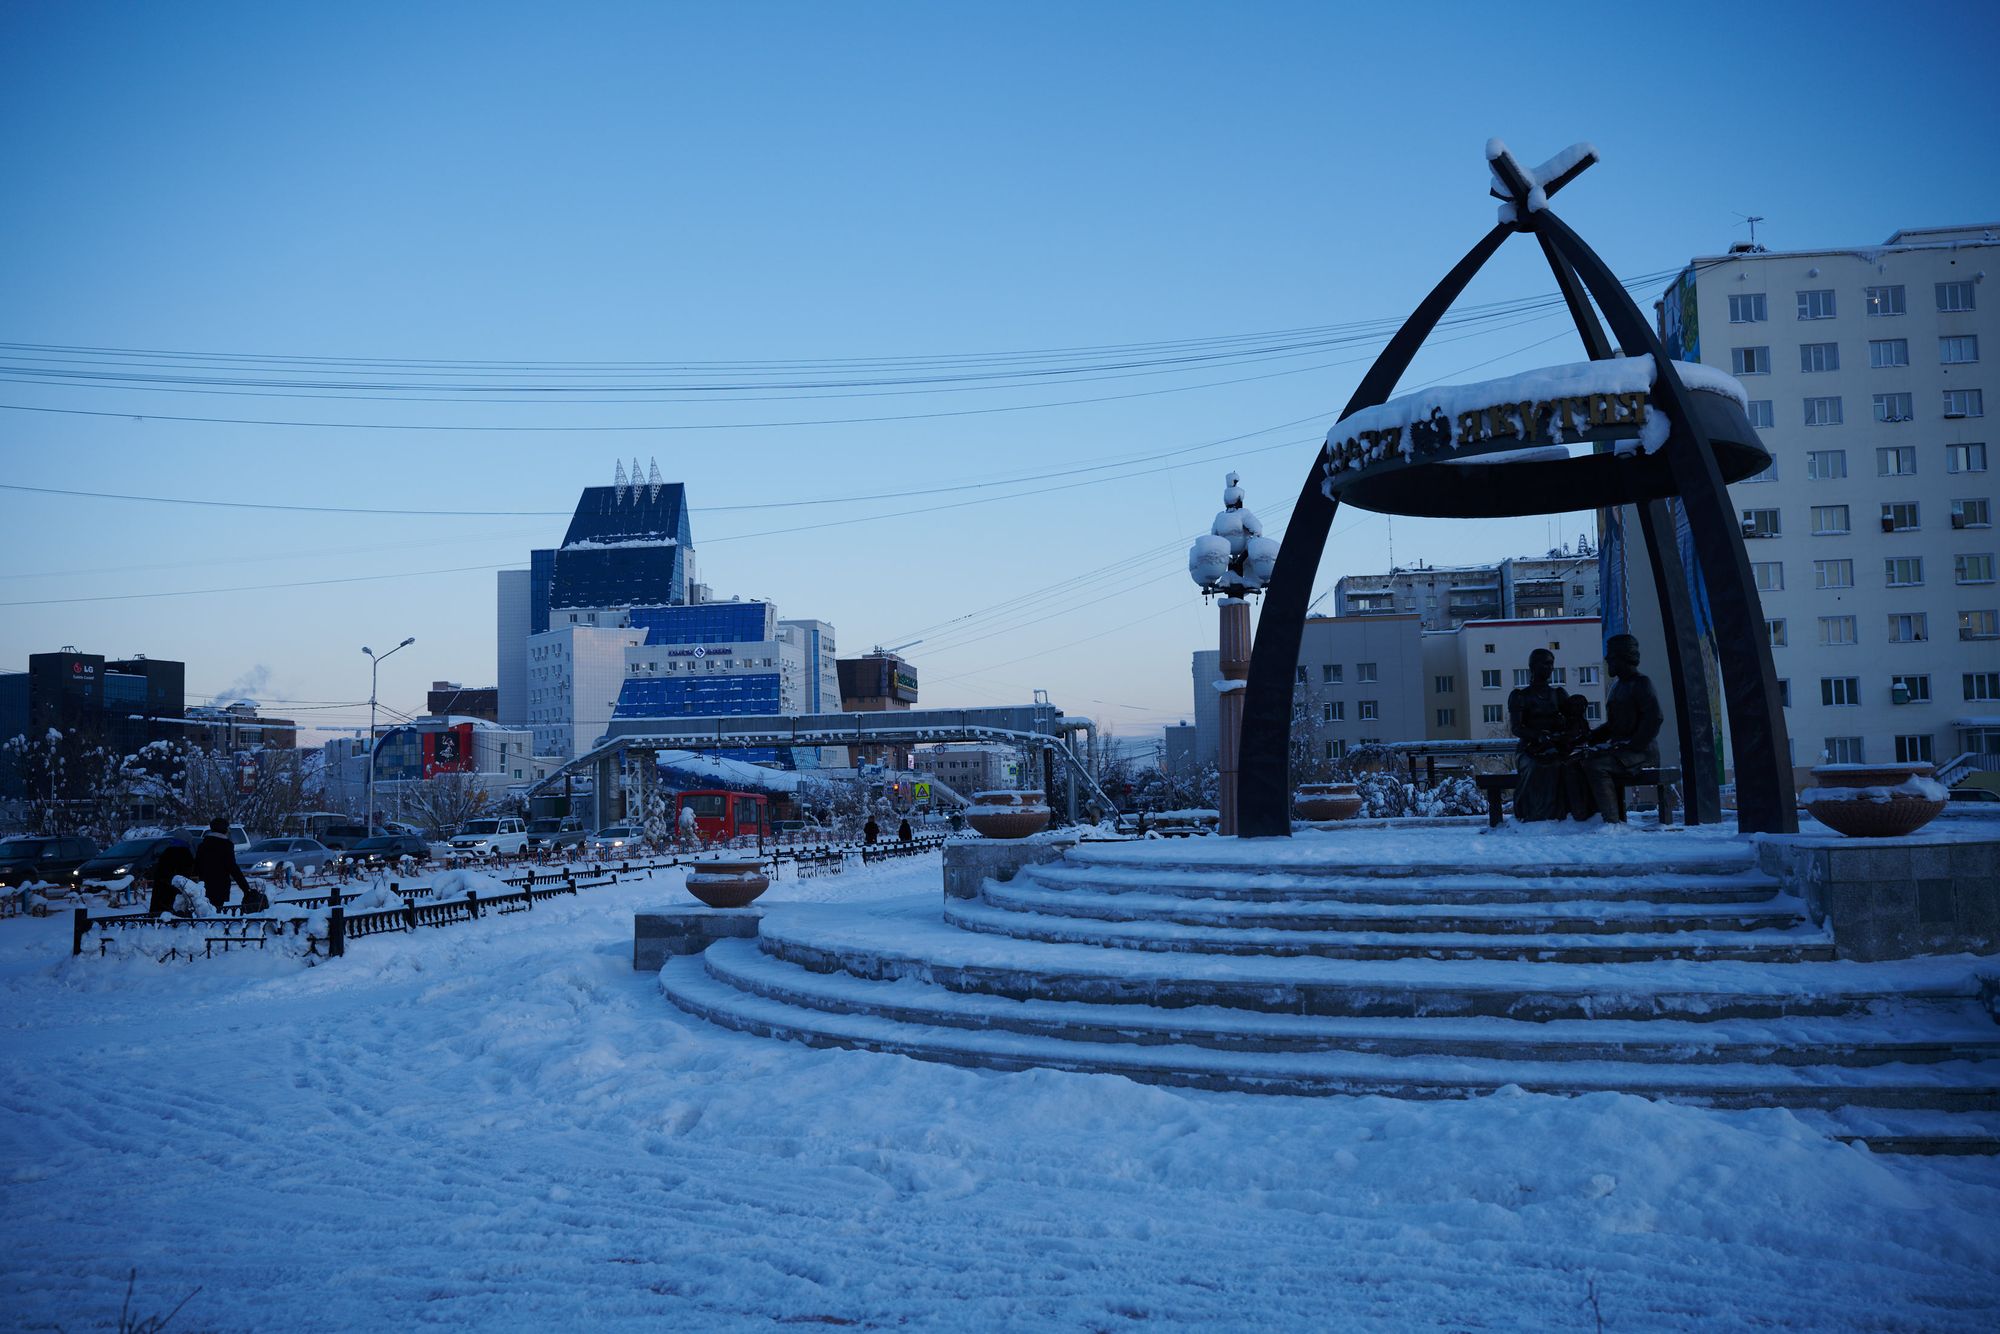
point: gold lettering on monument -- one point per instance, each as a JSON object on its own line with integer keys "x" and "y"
{"x": 1564, "y": 417}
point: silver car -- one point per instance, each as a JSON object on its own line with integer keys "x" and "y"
{"x": 305, "y": 855}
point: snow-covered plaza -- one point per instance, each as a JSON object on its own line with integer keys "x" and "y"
{"x": 502, "y": 1125}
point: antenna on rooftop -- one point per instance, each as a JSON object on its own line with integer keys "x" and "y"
{"x": 1753, "y": 219}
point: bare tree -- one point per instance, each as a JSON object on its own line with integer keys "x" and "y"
{"x": 446, "y": 801}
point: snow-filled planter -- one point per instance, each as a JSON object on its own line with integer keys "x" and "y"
{"x": 728, "y": 883}
{"x": 1008, "y": 813}
{"x": 1874, "y": 800}
{"x": 1328, "y": 801}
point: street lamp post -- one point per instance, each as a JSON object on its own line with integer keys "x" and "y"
{"x": 374, "y": 668}
{"x": 1233, "y": 560}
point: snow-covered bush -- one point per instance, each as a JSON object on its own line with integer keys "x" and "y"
{"x": 1385, "y": 794}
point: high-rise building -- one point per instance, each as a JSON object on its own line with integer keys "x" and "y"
{"x": 1206, "y": 669}
{"x": 513, "y": 624}
{"x": 1871, "y": 535}
{"x": 575, "y": 673}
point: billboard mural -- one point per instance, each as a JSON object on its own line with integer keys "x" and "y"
{"x": 449, "y": 751}
{"x": 1680, "y": 321}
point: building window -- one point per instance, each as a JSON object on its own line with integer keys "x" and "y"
{"x": 1972, "y": 568}
{"x": 1446, "y": 717}
{"x": 1836, "y": 631}
{"x": 1559, "y": 676}
{"x": 1333, "y": 712}
{"x": 1329, "y": 674}
{"x": 1443, "y": 684}
{"x": 1364, "y": 671}
{"x": 1774, "y": 631}
{"x": 1371, "y": 710}
{"x": 1904, "y": 571}
{"x": 1829, "y": 519}
{"x": 1335, "y": 749}
{"x": 1760, "y": 413}
{"x": 1909, "y": 627}
{"x": 1896, "y": 461}
{"x": 1959, "y": 350}
{"x": 1952, "y": 297}
{"x": 1840, "y": 691}
{"x": 1964, "y": 403}
{"x": 1894, "y": 407}
{"x": 1817, "y": 357}
{"x": 1887, "y": 353}
{"x": 1978, "y": 624}
{"x": 1769, "y": 574}
{"x": 1593, "y": 710}
{"x": 1493, "y": 713}
{"x": 1971, "y": 513}
{"x": 1520, "y": 676}
{"x": 1899, "y": 516}
{"x": 1587, "y": 676}
{"x": 1911, "y": 689}
{"x": 1750, "y": 360}
{"x": 1489, "y": 680}
{"x": 1760, "y": 523}
{"x": 1769, "y": 474}
{"x": 1823, "y": 411}
{"x": 1826, "y": 465}
{"x": 1965, "y": 458}
{"x": 1843, "y": 750}
{"x": 1915, "y": 749}
{"x": 1300, "y": 672}
{"x": 1980, "y": 686}
{"x": 1884, "y": 300}
{"x": 1785, "y": 692}
{"x": 1748, "y": 309}
{"x": 1490, "y": 648}
{"x": 1833, "y": 574}
{"x": 1816, "y": 304}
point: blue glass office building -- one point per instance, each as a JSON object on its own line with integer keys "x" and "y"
{"x": 708, "y": 660}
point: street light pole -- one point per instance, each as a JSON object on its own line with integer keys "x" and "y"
{"x": 374, "y": 668}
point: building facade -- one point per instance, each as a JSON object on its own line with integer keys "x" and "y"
{"x": 574, "y": 676}
{"x": 118, "y": 702}
{"x": 1871, "y": 535}
{"x": 1469, "y": 672}
{"x": 975, "y": 768}
{"x": 1444, "y": 597}
{"x": 471, "y": 702}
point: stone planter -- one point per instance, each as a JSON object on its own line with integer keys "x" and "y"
{"x": 728, "y": 884}
{"x": 1007, "y": 813}
{"x": 1874, "y": 800}
{"x": 1328, "y": 801}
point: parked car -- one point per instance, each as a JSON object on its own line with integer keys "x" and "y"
{"x": 34, "y": 857}
{"x": 342, "y": 836}
{"x": 506, "y": 836}
{"x": 132, "y": 856}
{"x": 193, "y": 834}
{"x": 618, "y": 840}
{"x": 544, "y": 835}
{"x": 386, "y": 850}
{"x": 1981, "y": 794}
{"x": 305, "y": 855}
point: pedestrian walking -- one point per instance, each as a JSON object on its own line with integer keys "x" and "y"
{"x": 870, "y": 832}
{"x": 215, "y": 864}
{"x": 903, "y": 832}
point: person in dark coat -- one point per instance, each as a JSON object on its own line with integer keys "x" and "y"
{"x": 870, "y": 831}
{"x": 903, "y": 832}
{"x": 175, "y": 860}
{"x": 215, "y": 863}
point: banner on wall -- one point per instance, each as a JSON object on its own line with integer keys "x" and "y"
{"x": 449, "y": 751}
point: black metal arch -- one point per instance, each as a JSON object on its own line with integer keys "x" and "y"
{"x": 1690, "y": 465}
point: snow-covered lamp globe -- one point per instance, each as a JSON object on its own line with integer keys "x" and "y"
{"x": 1232, "y": 560}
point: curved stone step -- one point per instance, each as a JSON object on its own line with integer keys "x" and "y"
{"x": 907, "y": 938}
{"x": 1953, "y": 1085}
{"x": 1965, "y": 1033}
{"x": 1545, "y": 852}
{"x": 1465, "y": 887}
{"x": 1595, "y": 916}
{"x": 1790, "y": 945}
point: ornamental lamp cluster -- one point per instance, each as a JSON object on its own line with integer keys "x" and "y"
{"x": 1234, "y": 558}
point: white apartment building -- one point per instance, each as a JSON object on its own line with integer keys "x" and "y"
{"x": 1469, "y": 672}
{"x": 573, "y": 678}
{"x": 1871, "y": 536}
{"x": 1443, "y": 597}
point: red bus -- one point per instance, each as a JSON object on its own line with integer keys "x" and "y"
{"x": 723, "y": 816}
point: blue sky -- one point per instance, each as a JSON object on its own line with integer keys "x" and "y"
{"x": 763, "y": 182}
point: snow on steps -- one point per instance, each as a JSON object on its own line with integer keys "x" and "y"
{"x": 1392, "y": 885}
{"x": 1938, "y": 1033}
{"x": 907, "y": 938}
{"x": 1947, "y": 1085}
{"x": 1759, "y": 907}
{"x": 1789, "y": 944}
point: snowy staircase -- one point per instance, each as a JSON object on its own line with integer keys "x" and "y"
{"x": 1694, "y": 978}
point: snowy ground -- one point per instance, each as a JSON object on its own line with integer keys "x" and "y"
{"x": 501, "y": 1126}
